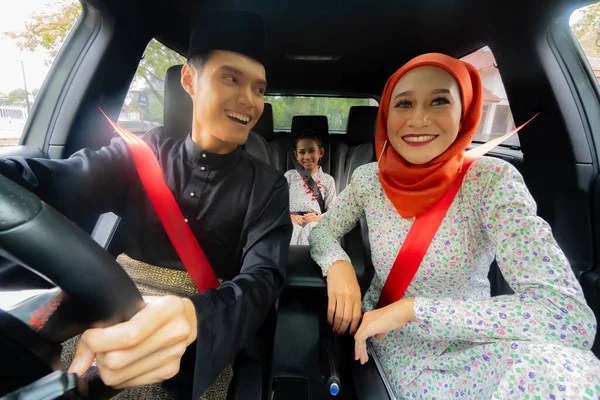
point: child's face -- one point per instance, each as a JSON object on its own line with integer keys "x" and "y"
{"x": 308, "y": 153}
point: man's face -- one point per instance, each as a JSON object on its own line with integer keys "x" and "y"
{"x": 228, "y": 95}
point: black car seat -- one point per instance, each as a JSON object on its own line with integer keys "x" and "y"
{"x": 283, "y": 144}
{"x": 355, "y": 148}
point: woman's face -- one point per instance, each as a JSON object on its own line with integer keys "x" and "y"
{"x": 308, "y": 153}
{"x": 425, "y": 114}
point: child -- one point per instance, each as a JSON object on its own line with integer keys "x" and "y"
{"x": 311, "y": 190}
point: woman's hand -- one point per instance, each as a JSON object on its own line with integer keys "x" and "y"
{"x": 298, "y": 219}
{"x": 379, "y": 322}
{"x": 344, "y": 308}
{"x": 312, "y": 217}
{"x": 146, "y": 349}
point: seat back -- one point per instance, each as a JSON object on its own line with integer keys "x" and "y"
{"x": 178, "y": 106}
{"x": 282, "y": 152}
{"x": 319, "y": 127}
{"x": 264, "y": 125}
{"x": 283, "y": 145}
{"x": 356, "y": 147}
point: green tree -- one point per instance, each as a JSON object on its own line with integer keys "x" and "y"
{"x": 34, "y": 93}
{"x": 335, "y": 108}
{"x": 49, "y": 31}
{"x": 153, "y": 67}
{"x": 587, "y": 30}
{"x": 15, "y": 98}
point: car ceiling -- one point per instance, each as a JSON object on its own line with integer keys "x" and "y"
{"x": 371, "y": 38}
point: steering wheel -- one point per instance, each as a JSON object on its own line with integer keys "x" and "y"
{"x": 92, "y": 289}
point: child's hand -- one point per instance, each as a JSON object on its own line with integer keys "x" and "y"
{"x": 312, "y": 217}
{"x": 298, "y": 220}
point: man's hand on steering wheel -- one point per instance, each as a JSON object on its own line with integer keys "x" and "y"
{"x": 146, "y": 349}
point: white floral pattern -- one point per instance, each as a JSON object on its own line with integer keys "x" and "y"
{"x": 302, "y": 199}
{"x": 533, "y": 344}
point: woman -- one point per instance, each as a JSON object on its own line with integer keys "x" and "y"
{"x": 447, "y": 336}
{"x": 312, "y": 191}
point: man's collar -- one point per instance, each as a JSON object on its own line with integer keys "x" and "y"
{"x": 196, "y": 155}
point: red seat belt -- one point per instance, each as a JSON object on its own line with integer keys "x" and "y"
{"x": 425, "y": 226}
{"x": 168, "y": 211}
{"x": 417, "y": 242}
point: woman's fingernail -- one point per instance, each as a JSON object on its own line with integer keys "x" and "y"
{"x": 75, "y": 366}
{"x": 352, "y": 333}
{"x": 329, "y": 322}
{"x": 335, "y": 330}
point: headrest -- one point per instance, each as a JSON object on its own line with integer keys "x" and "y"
{"x": 316, "y": 123}
{"x": 264, "y": 126}
{"x": 361, "y": 125}
{"x": 179, "y": 110}
{"x": 178, "y": 106}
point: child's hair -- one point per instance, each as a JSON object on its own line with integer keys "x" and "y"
{"x": 308, "y": 135}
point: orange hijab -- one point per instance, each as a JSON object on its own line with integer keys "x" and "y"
{"x": 414, "y": 189}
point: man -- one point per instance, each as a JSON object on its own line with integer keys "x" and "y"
{"x": 236, "y": 206}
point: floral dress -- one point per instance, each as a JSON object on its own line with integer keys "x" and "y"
{"x": 302, "y": 200}
{"x": 465, "y": 343}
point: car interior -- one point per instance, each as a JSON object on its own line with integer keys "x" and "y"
{"x": 316, "y": 48}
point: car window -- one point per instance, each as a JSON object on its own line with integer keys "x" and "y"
{"x": 585, "y": 25}
{"x": 31, "y": 34}
{"x": 144, "y": 104}
{"x": 335, "y": 108}
{"x": 497, "y": 118}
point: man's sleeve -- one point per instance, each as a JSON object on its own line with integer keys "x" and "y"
{"x": 230, "y": 315}
{"x": 87, "y": 182}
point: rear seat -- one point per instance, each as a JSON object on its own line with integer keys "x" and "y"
{"x": 264, "y": 125}
{"x": 355, "y": 148}
{"x": 319, "y": 126}
{"x": 283, "y": 143}
{"x": 343, "y": 153}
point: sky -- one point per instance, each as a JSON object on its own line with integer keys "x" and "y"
{"x": 13, "y": 19}
{"x": 576, "y": 16}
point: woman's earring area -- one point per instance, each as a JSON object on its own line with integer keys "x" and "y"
{"x": 382, "y": 151}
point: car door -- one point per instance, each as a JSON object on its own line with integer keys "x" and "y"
{"x": 574, "y": 40}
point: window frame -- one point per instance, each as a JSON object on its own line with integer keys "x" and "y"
{"x": 320, "y": 95}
